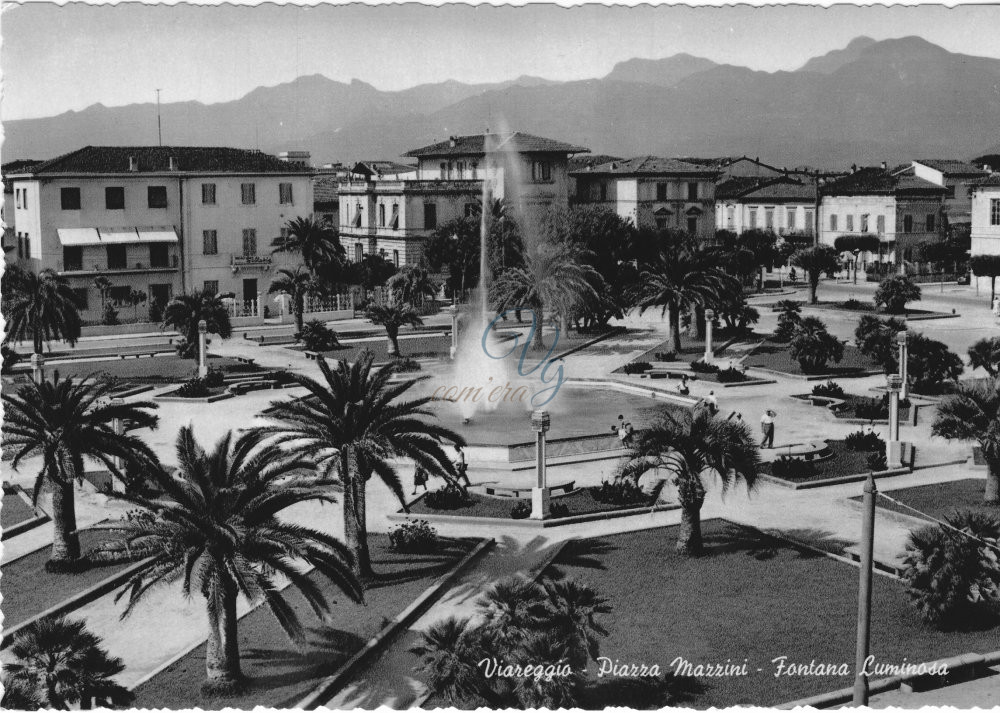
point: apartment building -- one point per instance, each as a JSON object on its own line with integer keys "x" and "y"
{"x": 13, "y": 246}
{"x": 161, "y": 220}
{"x": 985, "y": 226}
{"x": 958, "y": 178}
{"x": 390, "y": 211}
{"x": 653, "y": 192}
{"x": 782, "y": 205}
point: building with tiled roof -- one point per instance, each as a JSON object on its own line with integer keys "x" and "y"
{"x": 7, "y": 211}
{"x": 162, "y": 220}
{"x": 984, "y": 227}
{"x": 653, "y": 192}
{"x": 782, "y": 205}
{"x": 393, "y": 214}
{"x": 588, "y": 161}
{"x": 957, "y": 178}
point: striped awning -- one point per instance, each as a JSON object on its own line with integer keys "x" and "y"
{"x": 78, "y": 236}
{"x": 162, "y": 234}
{"x": 117, "y": 236}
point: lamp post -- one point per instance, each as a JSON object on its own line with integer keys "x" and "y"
{"x": 37, "y": 368}
{"x": 202, "y": 362}
{"x": 856, "y": 252}
{"x": 709, "y": 354}
{"x": 904, "y": 374}
{"x": 118, "y": 426}
{"x": 453, "y": 311}
{"x": 893, "y": 447}
{"x": 540, "y": 422}
{"x": 865, "y": 593}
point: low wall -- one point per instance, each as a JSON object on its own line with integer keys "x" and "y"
{"x": 105, "y": 330}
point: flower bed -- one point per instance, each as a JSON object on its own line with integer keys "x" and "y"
{"x": 843, "y": 462}
{"x": 855, "y": 407}
{"x": 776, "y": 356}
{"x": 579, "y": 502}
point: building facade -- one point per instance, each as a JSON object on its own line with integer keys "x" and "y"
{"x": 653, "y": 193}
{"x": 160, "y": 220}
{"x": 985, "y": 213}
{"x": 958, "y": 178}
{"x": 392, "y": 211}
{"x": 780, "y": 205}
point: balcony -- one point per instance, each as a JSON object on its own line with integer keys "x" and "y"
{"x": 79, "y": 269}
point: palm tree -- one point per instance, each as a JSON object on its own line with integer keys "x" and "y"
{"x": 219, "y": 530}
{"x": 103, "y": 287}
{"x": 60, "y": 663}
{"x": 511, "y": 610}
{"x": 412, "y": 285}
{"x": 813, "y": 346}
{"x": 65, "y": 421}
{"x": 316, "y": 242}
{"x": 448, "y": 653}
{"x": 543, "y": 692}
{"x": 815, "y": 261}
{"x": 679, "y": 277}
{"x": 986, "y": 354}
{"x": 554, "y": 277}
{"x": 185, "y": 311}
{"x": 353, "y": 425}
{"x": 973, "y": 414}
{"x": 39, "y": 306}
{"x": 392, "y": 317}
{"x": 297, "y": 284}
{"x": 689, "y": 446}
{"x": 572, "y": 610}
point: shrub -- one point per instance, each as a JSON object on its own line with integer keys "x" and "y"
{"x": 813, "y": 346}
{"x": 665, "y": 356}
{"x": 214, "y": 378}
{"x": 872, "y": 409}
{"x": 156, "y": 310}
{"x": 953, "y": 579}
{"x": 637, "y": 367}
{"x": 558, "y": 509}
{"x": 830, "y": 388}
{"x": 317, "y": 337}
{"x": 110, "y": 315}
{"x": 876, "y": 338}
{"x": 792, "y": 468}
{"x": 864, "y": 441}
{"x": 414, "y": 537}
{"x": 788, "y": 320}
{"x": 10, "y": 358}
{"x": 729, "y": 375}
{"x": 856, "y": 305}
{"x": 932, "y": 365}
{"x": 701, "y": 366}
{"x": 894, "y": 292}
{"x": 877, "y": 462}
{"x": 403, "y": 365}
{"x": 195, "y": 388}
{"x": 520, "y": 510}
{"x": 449, "y": 497}
{"x": 620, "y": 491}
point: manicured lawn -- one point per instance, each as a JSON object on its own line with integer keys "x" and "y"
{"x": 29, "y": 590}
{"x": 843, "y": 462}
{"x": 281, "y": 674}
{"x": 437, "y": 345}
{"x": 777, "y": 356}
{"x": 750, "y": 597}
{"x": 851, "y": 403}
{"x": 580, "y": 502}
{"x": 150, "y": 370}
{"x": 941, "y": 500}
{"x": 15, "y": 510}
{"x": 868, "y": 307}
{"x": 694, "y": 349}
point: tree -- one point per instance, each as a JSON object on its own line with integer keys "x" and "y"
{"x": 931, "y": 364}
{"x": 297, "y": 284}
{"x": 987, "y": 266}
{"x": 734, "y": 310}
{"x": 862, "y": 243}
{"x": 689, "y": 447}
{"x": 973, "y": 414}
{"x": 813, "y": 346}
{"x": 555, "y": 276}
{"x": 681, "y": 276}
{"x": 219, "y": 529}
{"x": 185, "y": 311}
{"x": 317, "y": 337}
{"x": 573, "y": 608}
{"x": 103, "y": 286}
{"x": 986, "y": 354}
{"x": 815, "y": 261}
{"x": 61, "y": 663}
{"x": 354, "y": 424}
{"x": 40, "y": 307}
{"x": 392, "y": 317}
{"x": 876, "y": 338}
{"x": 953, "y": 573}
{"x": 135, "y": 298}
{"x": 449, "y": 652}
{"x": 454, "y": 247}
{"x": 373, "y": 271}
{"x": 894, "y": 292}
{"x": 65, "y": 421}
{"x": 316, "y": 242}
{"x": 412, "y": 285}
{"x": 788, "y": 320}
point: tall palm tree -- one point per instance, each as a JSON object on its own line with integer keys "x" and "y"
{"x": 986, "y": 354}
{"x": 554, "y": 277}
{"x": 690, "y": 446}
{"x": 219, "y": 530}
{"x": 297, "y": 284}
{"x": 412, "y": 285}
{"x": 352, "y": 425}
{"x": 60, "y": 663}
{"x": 973, "y": 414}
{"x": 815, "y": 261}
{"x": 392, "y": 317}
{"x": 315, "y": 241}
{"x": 572, "y": 615}
{"x": 185, "y": 311}
{"x": 681, "y": 276}
{"x": 65, "y": 421}
{"x": 39, "y": 306}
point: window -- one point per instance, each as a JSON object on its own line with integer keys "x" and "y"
{"x": 994, "y": 211}
{"x": 693, "y": 226}
{"x": 359, "y": 252}
{"x": 444, "y": 170}
{"x": 80, "y": 293}
{"x": 752, "y": 220}
{"x": 116, "y": 257}
{"x": 949, "y": 191}
{"x": 730, "y": 217}
{"x": 907, "y": 223}
{"x": 810, "y": 217}
{"x": 394, "y": 221}
{"x": 70, "y": 198}
{"x": 769, "y": 218}
{"x": 475, "y": 167}
{"x": 249, "y": 242}
{"x": 864, "y": 223}
{"x": 118, "y": 294}
{"x": 381, "y": 215}
{"x": 248, "y": 193}
{"x": 661, "y": 191}
{"x": 209, "y": 242}
{"x": 27, "y": 246}
{"x": 114, "y": 198}
{"x": 22, "y": 197}
{"x": 208, "y": 194}
{"x": 395, "y": 258}
{"x": 790, "y": 219}
{"x": 604, "y": 191}
{"x": 17, "y": 198}
{"x": 285, "y": 193}
{"x": 661, "y": 223}
{"x": 159, "y": 256}
{"x": 357, "y": 216}
{"x": 461, "y": 169}
{"x": 211, "y": 287}
{"x": 692, "y": 191}
{"x": 20, "y": 246}
{"x": 157, "y": 196}
{"x": 430, "y": 216}
{"x": 541, "y": 171}
{"x": 833, "y": 222}
{"x": 930, "y": 222}
{"x": 880, "y": 224}
{"x": 72, "y": 257}
{"x": 850, "y": 224}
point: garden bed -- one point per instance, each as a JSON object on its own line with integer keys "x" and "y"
{"x": 869, "y": 308}
{"x": 424, "y": 346}
{"x": 778, "y": 596}
{"x": 940, "y": 500}
{"x": 777, "y": 357}
{"x": 281, "y": 674}
{"x": 150, "y": 370}
{"x": 843, "y": 463}
{"x": 579, "y": 502}
{"x": 849, "y": 403}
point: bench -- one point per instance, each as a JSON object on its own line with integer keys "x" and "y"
{"x": 245, "y": 360}
{"x": 524, "y": 491}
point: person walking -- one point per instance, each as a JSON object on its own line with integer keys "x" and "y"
{"x": 625, "y": 431}
{"x": 767, "y": 428}
{"x": 419, "y": 478}
{"x": 461, "y": 466}
{"x": 683, "y": 389}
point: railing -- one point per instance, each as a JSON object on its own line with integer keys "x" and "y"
{"x": 242, "y": 308}
{"x": 333, "y": 303}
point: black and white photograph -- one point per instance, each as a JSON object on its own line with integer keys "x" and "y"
{"x": 414, "y": 356}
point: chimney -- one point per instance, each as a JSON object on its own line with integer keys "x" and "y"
{"x": 452, "y": 140}
{"x": 854, "y": 168}
{"x": 173, "y": 163}
{"x": 133, "y": 163}
{"x": 884, "y": 165}
{"x": 986, "y": 167}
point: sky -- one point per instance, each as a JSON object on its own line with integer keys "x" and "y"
{"x": 55, "y": 59}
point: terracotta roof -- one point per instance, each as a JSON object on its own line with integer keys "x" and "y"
{"x": 991, "y": 180}
{"x": 582, "y": 163}
{"x": 156, "y": 159}
{"x": 12, "y": 167}
{"x": 736, "y": 186}
{"x": 379, "y": 168}
{"x": 474, "y": 145}
{"x": 716, "y": 162}
{"x": 880, "y": 181}
{"x": 782, "y": 190}
{"x": 325, "y": 190}
{"x": 651, "y": 166}
{"x": 951, "y": 167}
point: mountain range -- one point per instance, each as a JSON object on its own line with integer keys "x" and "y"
{"x": 872, "y": 101}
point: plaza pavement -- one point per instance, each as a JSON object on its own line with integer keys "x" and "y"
{"x": 175, "y": 624}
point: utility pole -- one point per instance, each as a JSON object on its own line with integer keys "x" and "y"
{"x": 865, "y": 592}
{"x": 159, "y": 128}
{"x": 816, "y": 221}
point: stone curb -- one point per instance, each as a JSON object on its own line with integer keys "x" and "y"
{"x": 40, "y": 518}
{"x": 328, "y": 686}
{"x": 841, "y": 480}
{"x": 528, "y": 523}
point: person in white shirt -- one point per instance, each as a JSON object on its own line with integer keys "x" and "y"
{"x": 767, "y": 427}
{"x": 713, "y": 402}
